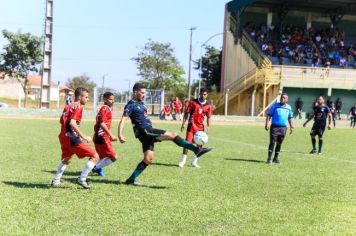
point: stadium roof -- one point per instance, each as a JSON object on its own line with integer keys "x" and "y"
{"x": 327, "y": 6}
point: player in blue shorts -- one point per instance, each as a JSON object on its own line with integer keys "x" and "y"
{"x": 136, "y": 110}
{"x": 281, "y": 114}
{"x": 320, "y": 115}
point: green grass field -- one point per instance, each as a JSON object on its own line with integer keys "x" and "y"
{"x": 234, "y": 193}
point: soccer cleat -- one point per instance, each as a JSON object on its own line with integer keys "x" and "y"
{"x": 201, "y": 151}
{"x": 132, "y": 182}
{"x": 57, "y": 184}
{"x": 312, "y": 152}
{"x": 181, "y": 164}
{"x": 99, "y": 171}
{"x": 275, "y": 160}
{"x": 269, "y": 161}
{"x": 84, "y": 184}
{"x": 319, "y": 153}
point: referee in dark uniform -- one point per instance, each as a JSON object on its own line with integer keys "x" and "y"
{"x": 281, "y": 114}
{"x": 136, "y": 110}
{"x": 320, "y": 115}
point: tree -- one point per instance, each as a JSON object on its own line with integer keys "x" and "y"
{"x": 20, "y": 57}
{"x": 211, "y": 68}
{"x": 158, "y": 67}
{"x": 81, "y": 81}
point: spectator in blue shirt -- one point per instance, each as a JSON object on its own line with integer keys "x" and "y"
{"x": 281, "y": 114}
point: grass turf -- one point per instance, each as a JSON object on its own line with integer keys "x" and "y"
{"x": 234, "y": 192}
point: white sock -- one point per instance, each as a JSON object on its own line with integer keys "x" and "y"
{"x": 103, "y": 162}
{"x": 87, "y": 168}
{"x": 195, "y": 160}
{"x": 184, "y": 158}
{"x": 59, "y": 173}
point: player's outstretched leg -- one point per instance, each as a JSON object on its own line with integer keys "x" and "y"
{"x": 199, "y": 151}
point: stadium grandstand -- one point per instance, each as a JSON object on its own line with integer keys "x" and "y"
{"x": 305, "y": 48}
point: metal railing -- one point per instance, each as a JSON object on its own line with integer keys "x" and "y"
{"x": 254, "y": 51}
{"x": 335, "y": 77}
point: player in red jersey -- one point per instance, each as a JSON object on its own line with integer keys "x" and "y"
{"x": 102, "y": 135}
{"x": 71, "y": 140}
{"x": 197, "y": 110}
{"x": 167, "y": 112}
{"x": 177, "y": 106}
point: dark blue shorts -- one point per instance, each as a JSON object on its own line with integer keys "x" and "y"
{"x": 317, "y": 130}
{"x": 278, "y": 132}
{"x": 148, "y": 137}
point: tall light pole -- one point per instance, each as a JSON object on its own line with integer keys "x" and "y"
{"x": 129, "y": 91}
{"x": 201, "y": 57}
{"x": 190, "y": 61}
{"x": 103, "y": 84}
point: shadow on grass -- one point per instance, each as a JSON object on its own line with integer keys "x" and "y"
{"x": 26, "y": 185}
{"x": 115, "y": 182}
{"x": 66, "y": 173}
{"x": 164, "y": 164}
{"x": 245, "y": 160}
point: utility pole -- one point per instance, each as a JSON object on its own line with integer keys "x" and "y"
{"x": 190, "y": 61}
{"x": 103, "y": 84}
{"x": 45, "y": 95}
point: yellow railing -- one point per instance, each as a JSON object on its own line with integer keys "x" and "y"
{"x": 254, "y": 52}
{"x": 306, "y": 75}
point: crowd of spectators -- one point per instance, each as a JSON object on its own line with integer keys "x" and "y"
{"x": 299, "y": 45}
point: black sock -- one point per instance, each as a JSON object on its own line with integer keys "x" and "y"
{"x": 277, "y": 150}
{"x": 270, "y": 150}
{"x": 320, "y": 144}
{"x": 140, "y": 167}
{"x": 184, "y": 143}
{"x": 314, "y": 143}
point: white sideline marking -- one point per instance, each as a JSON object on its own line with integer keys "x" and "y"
{"x": 264, "y": 148}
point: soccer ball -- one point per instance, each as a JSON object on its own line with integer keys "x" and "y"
{"x": 200, "y": 138}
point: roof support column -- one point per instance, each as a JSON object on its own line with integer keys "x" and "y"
{"x": 269, "y": 19}
{"x": 335, "y": 17}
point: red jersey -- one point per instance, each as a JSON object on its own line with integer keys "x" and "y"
{"x": 197, "y": 111}
{"x": 104, "y": 116}
{"x": 72, "y": 111}
{"x": 177, "y": 105}
{"x": 167, "y": 110}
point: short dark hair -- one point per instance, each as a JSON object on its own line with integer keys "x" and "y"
{"x": 108, "y": 95}
{"x": 203, "y": 90}
{"x": 79, "y": 91}
{"x": 138, "y": 86}
{"x": 285, "y": 94}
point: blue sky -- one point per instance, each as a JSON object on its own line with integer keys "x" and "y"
{"x": 100, "y": 37}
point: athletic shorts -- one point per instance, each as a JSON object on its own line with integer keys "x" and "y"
{"x": 317, "y": 130}
{"x": 277, "y": 132}
{"x": 81, "y": 150}
{"x": 177, "y": 111}
{"x": 190, "y": 133}
{"x": 105, "y": 150}
{"x": 148, "y": 137}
